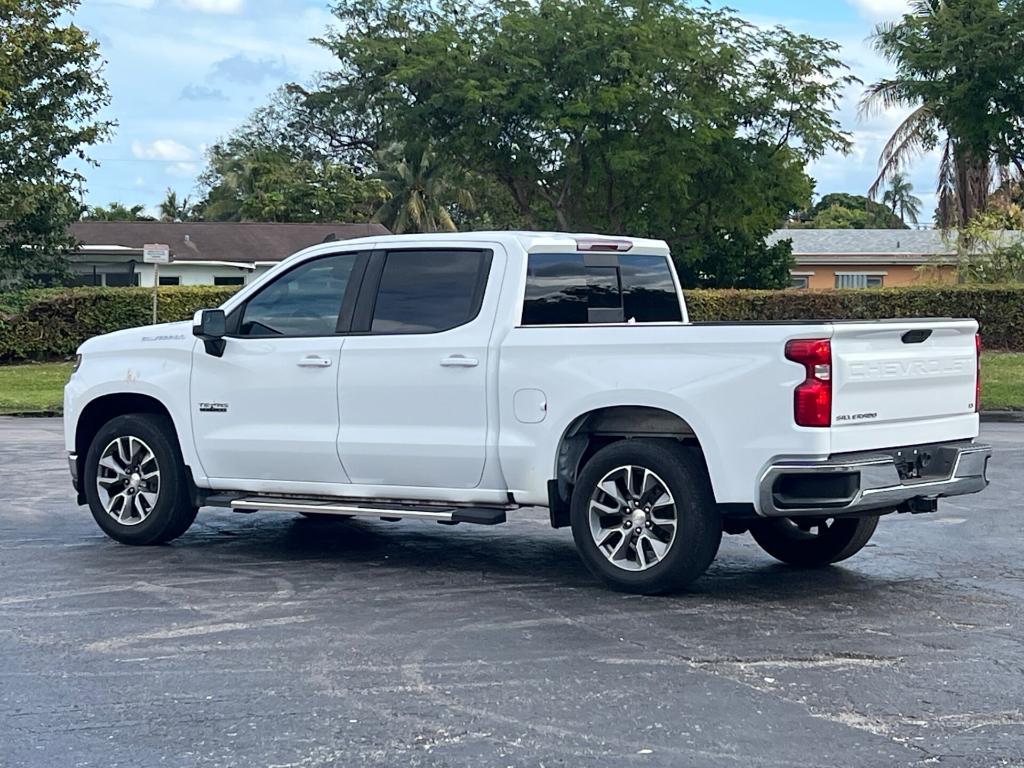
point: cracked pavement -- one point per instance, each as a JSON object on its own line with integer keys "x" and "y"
{"x": 272, "y": 640}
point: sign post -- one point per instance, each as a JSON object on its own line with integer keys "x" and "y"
{"x": 156, "y": 254}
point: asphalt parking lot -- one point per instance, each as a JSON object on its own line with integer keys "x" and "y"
{"x": 272, "y": 640}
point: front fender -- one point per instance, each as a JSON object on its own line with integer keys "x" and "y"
{"x": 160, "y": 374}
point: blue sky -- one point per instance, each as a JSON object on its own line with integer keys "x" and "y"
{"x": 184, "y": 73}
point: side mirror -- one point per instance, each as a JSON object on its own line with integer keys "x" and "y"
{"x": 211, "y": 325}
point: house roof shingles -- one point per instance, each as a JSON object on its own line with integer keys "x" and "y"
{"x": 863, "y": 242}
{"x": 241, "y": 242}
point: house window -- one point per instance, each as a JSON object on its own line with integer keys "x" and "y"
{"x": 859, "y": 280}
{"x": 120, "y": 279}
{"x": 229, "y": 281}
{"x": 170, "y": 281}
{"x": 800, "y": 281}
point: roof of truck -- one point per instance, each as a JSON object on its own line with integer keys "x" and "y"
{"x": 530, "y": 241}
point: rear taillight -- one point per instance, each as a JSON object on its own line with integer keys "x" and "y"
{"x": 812, "y": 401}
{"x": 977, "y": 378}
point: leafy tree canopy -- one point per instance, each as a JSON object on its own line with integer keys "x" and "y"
{"x": 50, "y": 92}
{"x": 116, "y": 212}
{"x": 840, "y": 210}
{"x": 268, "y": 172}
{"x": 652, "y": 118}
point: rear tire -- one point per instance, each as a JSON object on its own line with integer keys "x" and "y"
{"x": 135, "y": 480}
{"x": 644, "y": 517}
{"x": 832, "y": 540}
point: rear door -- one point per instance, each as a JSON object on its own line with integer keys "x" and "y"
{"x": 412, "y": 387}
{"x": 901, "y": 383}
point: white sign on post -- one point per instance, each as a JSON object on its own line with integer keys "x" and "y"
{"x": 156, "y": 254}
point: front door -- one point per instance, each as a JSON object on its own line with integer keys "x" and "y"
{"x": 267, "y": 410}
{"x": 413, "y": 380}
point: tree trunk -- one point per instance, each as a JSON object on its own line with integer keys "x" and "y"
{"x": 973, "y": 182}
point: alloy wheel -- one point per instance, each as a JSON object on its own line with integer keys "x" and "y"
{"x": 633, "y": 518}
{"x": 128, "y": 480}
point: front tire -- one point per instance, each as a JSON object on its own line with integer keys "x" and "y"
{"x": 814, "y": 542}
{"x": 135, "y": 481}
{"x": 644, "y": 518}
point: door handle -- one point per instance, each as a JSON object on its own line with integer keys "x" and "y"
{"x": 460, "y": 361}
{"x": 314, "y": 361}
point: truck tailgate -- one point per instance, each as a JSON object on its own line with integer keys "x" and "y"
{"x": 899, "y": 383}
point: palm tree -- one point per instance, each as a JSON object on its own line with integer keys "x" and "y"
{"x": 172, "y": 210}
{"x": 899, "y": 197}
{"x": 420, "y": 187}
{"x": 966, "y": 173}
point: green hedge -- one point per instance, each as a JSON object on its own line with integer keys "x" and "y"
{"x": 51, "y": 323}
{"x": 998, "y": 309}
{"x": 47, "y": 324}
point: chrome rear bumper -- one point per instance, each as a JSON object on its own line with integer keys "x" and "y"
{"x": 850, "y": 483}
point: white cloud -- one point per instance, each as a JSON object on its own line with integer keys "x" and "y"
{"x": 162, "y": 149}
{"x": 212, "y": 6}
{"x": 877, "y": 10}
{"x": 183, "y": 170}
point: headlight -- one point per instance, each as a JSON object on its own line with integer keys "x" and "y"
{"x": 78, "y": 363}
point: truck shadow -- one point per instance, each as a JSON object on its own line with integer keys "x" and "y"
{"x": 523, "y": 552}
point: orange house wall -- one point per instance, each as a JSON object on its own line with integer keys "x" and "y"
{"x": 895, "y": 275}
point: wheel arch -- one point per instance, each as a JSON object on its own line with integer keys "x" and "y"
{"x": 102, "y": 409}
{"x": 592, "y": 430}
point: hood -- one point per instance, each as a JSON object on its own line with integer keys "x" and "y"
{"x": 147, "y": 337}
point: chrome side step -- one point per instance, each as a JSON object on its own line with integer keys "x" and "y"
{"x": 385, "y": 511}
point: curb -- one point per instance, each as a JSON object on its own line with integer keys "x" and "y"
{"x": 1002, "y": 417}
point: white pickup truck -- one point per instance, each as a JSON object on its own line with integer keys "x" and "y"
{"x": 460, "y": 377}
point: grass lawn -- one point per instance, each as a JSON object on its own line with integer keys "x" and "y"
{"x": 39, "y": 386}
{"x": 32, "y": 387}
{"x": 1002, "y": 380}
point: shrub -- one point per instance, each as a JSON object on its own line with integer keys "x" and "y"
{"x": 998, "y": 309}
{"x": 52, "y": 323}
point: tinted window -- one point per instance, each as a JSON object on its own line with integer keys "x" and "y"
{"x": 229, "y": 281}
{"x": 562, "y": 290}
{"x": 556, "y": 290}
{"x": 428, "y": 291}
{"x": 303, "y": 302}
{"x": 648, "y": 291}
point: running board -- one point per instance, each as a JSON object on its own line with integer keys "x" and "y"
{"x": 385, "y": 511}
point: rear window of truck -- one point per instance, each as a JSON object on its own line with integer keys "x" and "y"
{"x": 563, "y": 289}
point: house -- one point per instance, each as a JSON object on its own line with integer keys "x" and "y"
{"x": 869, "y": 258}
{"x": 203, "y": 253}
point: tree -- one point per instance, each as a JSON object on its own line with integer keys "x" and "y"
{"x": 267, "y": 172}
{"x": 900, "y": 198}
{"x": 419, "y": 189}
{"x": 116, "y": 212}
{"x": 840, "y": 210}
{"x": 173, "y": 210}
{"x": 989, "y": 253}
{"x": 51, "y": 89}
{"x": 958, "y": 65}
{"x": 653, "y": 118}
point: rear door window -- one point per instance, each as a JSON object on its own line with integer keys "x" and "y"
{"x": 429, "y": 291}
